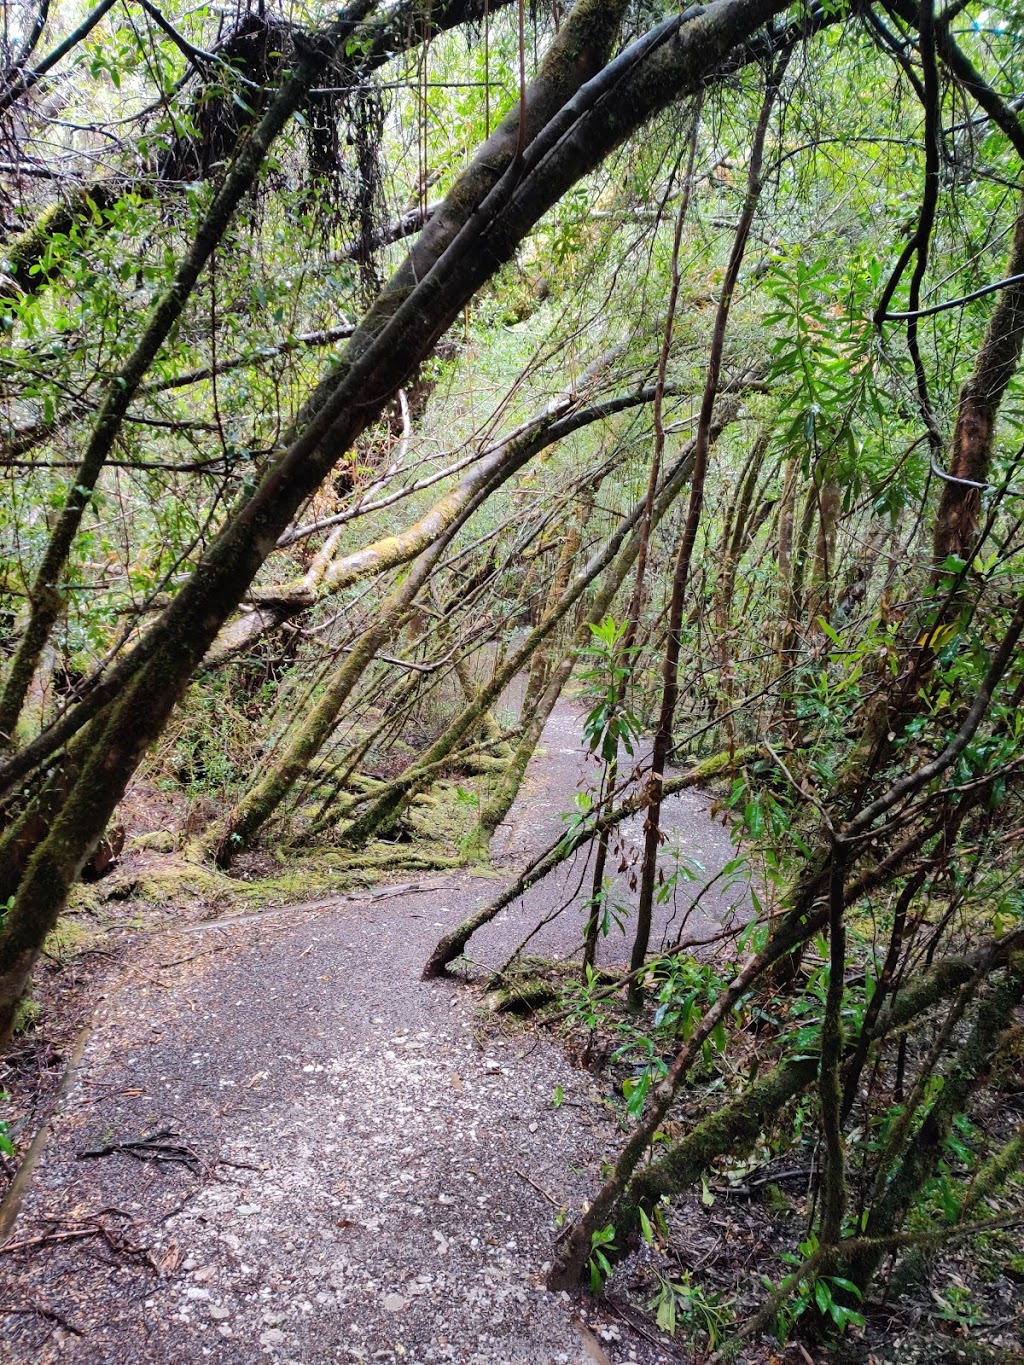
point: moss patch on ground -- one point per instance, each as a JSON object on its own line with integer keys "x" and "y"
{"x": 175, "y": 882}
{"x": 71, "y": 936}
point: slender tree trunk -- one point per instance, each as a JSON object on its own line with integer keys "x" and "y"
{"x": 551, "y": 677}
{"x": 670, "y": 682}
{"x": 733, "y": 539}
{"x": 610, "y": 776}
{"x": 829, "y": 496}
{"x": 786, "y": 513}
{"x": 792, "y": 589}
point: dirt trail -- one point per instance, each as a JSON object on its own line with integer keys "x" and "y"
{"x": 355, "y": 1169}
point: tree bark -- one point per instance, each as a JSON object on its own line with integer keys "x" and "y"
{"x": 970, "y": 461}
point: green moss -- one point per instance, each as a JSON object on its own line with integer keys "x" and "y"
{"x": 1008, "y": 1065}
{"x": 71, "y": 936}
{"x": 475, "y": 847}
{"x": 524, "y": 996}
{"x": 528, "y": 984}
{"x": 776, "y": 1201}
{"x": 910, "y": 1271}
{"x": 171, "y": 881}
{"x": 159, "y": 841}
{"x": 446, "y": 817}
{"x": 27, "y": 1013}
{"x": 179, "y": 883}
{"x": 332, "y": 871}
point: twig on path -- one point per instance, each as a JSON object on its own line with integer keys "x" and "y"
{"x": 94, "y": 1228}
{"x": 539, "y": 1188}
{"x": 631, "y": 1322}
{"x": 153, "y": 1147}
{"x": 72, "y": 1234}
{"x": 138, "y": 972}
{"x": 180, "y": 961}
{"x": 239, "y": 1165}
{"x": 41, "y": 1311}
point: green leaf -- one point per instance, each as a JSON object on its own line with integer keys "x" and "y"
{"x": 846, "y": 1285}
{"x": 666, "y": 1315}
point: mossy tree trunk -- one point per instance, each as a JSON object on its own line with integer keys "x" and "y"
{"x": 956, "y": 524}
{"x": 968, "y": 1069}
{"x": 738, "y": 1123}
{"x": 568, "y": 413}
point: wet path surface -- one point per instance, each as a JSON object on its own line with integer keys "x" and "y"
{"x": 354, "y": 1167}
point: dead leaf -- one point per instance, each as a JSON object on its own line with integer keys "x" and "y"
{"x": 168, "y": 1263}
{"x": 591, "y": 1344}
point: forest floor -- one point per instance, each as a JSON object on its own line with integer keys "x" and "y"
{"x": 274, "y": 1141}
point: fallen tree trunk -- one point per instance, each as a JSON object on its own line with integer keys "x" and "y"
{"x": 327, "y": 576}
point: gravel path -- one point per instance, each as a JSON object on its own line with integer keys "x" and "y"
{"x": 355, "y": 1168}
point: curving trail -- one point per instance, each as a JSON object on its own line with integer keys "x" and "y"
{"x": 354, "y": 1167}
